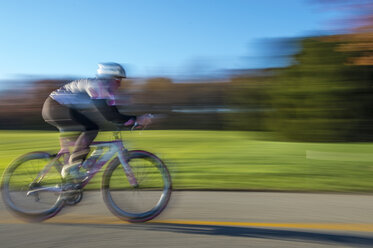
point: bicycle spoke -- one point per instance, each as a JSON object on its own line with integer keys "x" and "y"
{"x": 148, "y": 198}
{"x": 28, "y": 174}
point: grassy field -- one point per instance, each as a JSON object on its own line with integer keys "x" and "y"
{"x": 231, "y": 160}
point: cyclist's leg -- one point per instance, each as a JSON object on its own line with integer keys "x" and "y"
{"x": 82, "y": 144}
{"x": 85, "y": 138}
{"x": 59, "y": 116}
{"x": 68, "y": 139}
{"x": 71, "y": 120}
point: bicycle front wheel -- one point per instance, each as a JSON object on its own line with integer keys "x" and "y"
{"x": 141, "y": 202}
{"x": 30, "y": 187}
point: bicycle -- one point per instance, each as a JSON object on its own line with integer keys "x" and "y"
{"x": 129, "y": 174}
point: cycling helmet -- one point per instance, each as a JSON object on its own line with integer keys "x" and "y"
{"x": 110, "y": 70}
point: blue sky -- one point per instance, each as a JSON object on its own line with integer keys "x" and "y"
{"x": 150, "y": 37}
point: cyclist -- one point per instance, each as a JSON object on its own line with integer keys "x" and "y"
{"x": 66, "y": 108}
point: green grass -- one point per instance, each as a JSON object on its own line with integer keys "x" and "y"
{"x": 230, "y": 160}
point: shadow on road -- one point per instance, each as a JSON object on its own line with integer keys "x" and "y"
{"x": 248, "y": 232}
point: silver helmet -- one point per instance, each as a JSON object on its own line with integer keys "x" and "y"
{"x": 110, "y": 70}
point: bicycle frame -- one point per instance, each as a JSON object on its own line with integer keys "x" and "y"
{"x": 115, "y": 148}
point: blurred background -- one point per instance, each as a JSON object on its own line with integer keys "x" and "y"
{"x": 273, "y": 95}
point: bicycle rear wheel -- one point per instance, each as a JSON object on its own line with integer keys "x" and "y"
{"x": 144, "y": 201}
{"x": 22, "y": 181}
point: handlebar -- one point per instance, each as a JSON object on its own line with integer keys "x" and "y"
{"x": 120, "y": 127}
{"x": 134, "y": 126}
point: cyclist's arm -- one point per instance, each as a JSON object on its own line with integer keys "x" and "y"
{"x": 111, "y": 113}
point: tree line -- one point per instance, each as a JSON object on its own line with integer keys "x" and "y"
{"x": 325, "y": 94}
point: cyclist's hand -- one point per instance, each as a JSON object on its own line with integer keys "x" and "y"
{"x": 130, "y": 122}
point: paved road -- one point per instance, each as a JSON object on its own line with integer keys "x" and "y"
{"x": 207, "y": 219}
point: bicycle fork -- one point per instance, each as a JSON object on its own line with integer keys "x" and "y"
{"x": 122, "y": 155}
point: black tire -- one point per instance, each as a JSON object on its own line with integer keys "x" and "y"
{"x": 154, "y": 183}
{"x": 16, "y": 181}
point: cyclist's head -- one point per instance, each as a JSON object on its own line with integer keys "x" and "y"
{"x": 110, "y": 71}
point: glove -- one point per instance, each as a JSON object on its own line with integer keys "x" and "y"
{"x": 130, "y": 122}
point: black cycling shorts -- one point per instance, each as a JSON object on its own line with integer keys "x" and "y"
{"x": 65, "y": 118}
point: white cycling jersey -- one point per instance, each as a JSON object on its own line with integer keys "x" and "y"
{"x": 79, "y": 93}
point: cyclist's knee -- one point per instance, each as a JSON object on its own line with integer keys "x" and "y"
{"x": 78, "y": 156}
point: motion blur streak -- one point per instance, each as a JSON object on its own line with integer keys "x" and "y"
{"x": 96, "y": 220}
